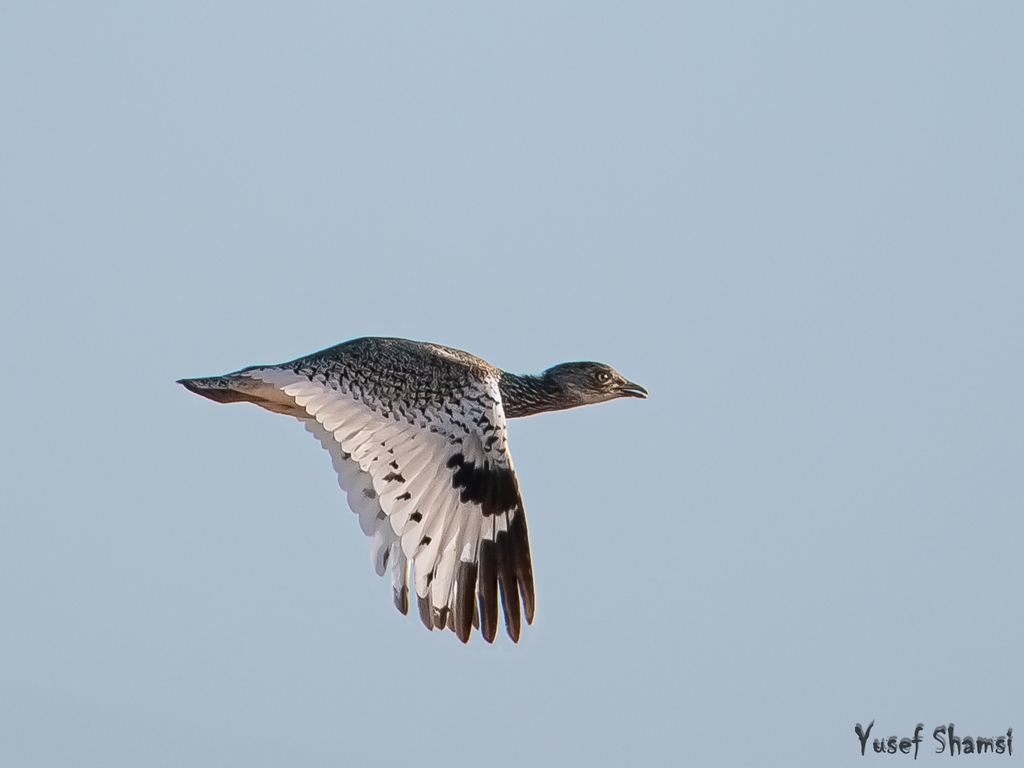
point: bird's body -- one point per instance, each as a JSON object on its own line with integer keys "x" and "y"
{"x": 416, "y": 432}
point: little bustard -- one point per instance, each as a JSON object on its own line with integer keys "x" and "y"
{"x": 416, "y": 432}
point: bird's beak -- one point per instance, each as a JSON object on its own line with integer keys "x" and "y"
{"x": 629, "y": 389}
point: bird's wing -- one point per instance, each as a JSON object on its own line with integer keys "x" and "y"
{"x": 435, "y": 489}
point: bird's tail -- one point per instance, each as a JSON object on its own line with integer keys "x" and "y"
{"x": 244, "y": 388}
{"x": 220, "y": 389}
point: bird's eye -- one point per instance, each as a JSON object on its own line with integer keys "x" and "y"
{"x": 603, "y": 377}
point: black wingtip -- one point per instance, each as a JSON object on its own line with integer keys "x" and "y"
{"x": 425, "y": 612}
{"x": 465, "y": 594}
{"x": 402, "y": 600}
{"x": 519, "y": 546}
{"x": 487, "y": 589}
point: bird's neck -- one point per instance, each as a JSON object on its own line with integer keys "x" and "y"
{"x": 529, "y": 395}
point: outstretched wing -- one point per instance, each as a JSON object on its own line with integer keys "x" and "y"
{"x": 434, "y": 488}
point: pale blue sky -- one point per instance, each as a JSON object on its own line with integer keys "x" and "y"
{"x": 799, "y": 227}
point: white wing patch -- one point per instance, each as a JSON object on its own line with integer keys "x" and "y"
{"x": 439, "y": 494}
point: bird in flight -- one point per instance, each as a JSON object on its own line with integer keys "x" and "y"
{"x": 416, "y": 432}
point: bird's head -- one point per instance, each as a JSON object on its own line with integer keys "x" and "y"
{"x": 588, "y": 383}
